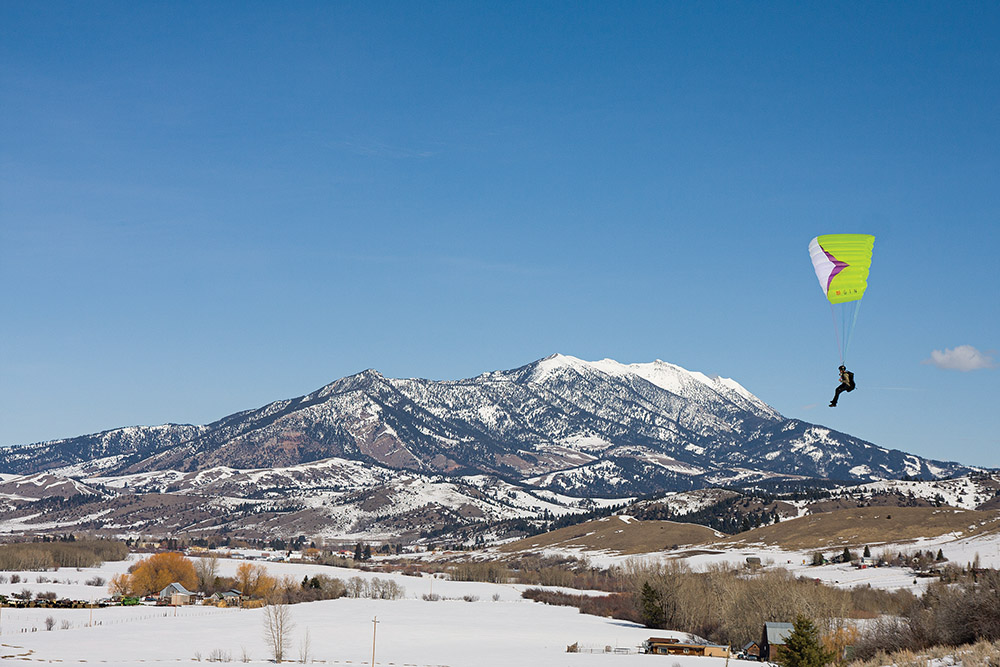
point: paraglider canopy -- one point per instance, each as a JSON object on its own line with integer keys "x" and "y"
{"x": 842, "y": 262}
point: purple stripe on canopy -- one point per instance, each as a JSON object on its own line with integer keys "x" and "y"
{"x": 838, "y": 266}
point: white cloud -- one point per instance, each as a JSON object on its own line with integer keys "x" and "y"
{"x": 962, "y": 358}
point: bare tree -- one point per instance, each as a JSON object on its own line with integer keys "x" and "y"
{"x": 207, "y": 569}
{"x": 305, "y": 647}
{"x": 278, "y": 627}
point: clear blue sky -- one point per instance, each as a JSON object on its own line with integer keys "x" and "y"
{"x": 205, "y": 207}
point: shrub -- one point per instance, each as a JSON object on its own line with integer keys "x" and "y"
{"x": 218, "y": 655}
{"x": 615, "y": 605}
{"x": 490, "y": 572}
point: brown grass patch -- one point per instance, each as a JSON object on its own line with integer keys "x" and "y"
{"x": 616, "y": 535}
{"x": 868, "y": 525}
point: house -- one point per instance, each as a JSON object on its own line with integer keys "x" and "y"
{"x": 230, "y": 598}
{"x": 751, "y": 650}
{"x": 672, "y": 646}
{"x": 773, "y": 640}
{"x": 176, "y": 594}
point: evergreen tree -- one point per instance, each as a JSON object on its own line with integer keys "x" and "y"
{"x": 803, "y": 647}
{"x": 358, "y": 553}
{"x": 368, "y": 552}
{"x": 652, "y": 613}
{"x": 940, "y": 556}
{"x": 868, "y": 552}
{"x": 847, "y": 556}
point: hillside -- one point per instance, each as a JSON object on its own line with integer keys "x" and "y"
{"x": 861, "y": 526}
{"x": 618, "y": 534}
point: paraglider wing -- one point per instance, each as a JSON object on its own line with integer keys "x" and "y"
{"x": 842, "y": 262}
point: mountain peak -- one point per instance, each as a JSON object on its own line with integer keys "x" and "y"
{"x": 553, "y": 363}
{"x": 667, "y": 376}
{"x": 362, "y": 380}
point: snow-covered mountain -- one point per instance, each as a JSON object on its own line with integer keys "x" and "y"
{"x": 590, "y": 428}
{"x": 556, "y": 429}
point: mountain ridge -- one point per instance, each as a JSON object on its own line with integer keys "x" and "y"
{"x": 499, "y": 454}
{"x": 546, "y": 419}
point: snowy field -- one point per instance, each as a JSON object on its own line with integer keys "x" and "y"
{"x": 409, "y": 632}
{"x": 497, "y": 628}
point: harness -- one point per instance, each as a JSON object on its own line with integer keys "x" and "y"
{"x": 847, "y": 377}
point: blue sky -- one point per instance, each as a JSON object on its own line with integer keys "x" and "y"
{"x": 205, "y": 207}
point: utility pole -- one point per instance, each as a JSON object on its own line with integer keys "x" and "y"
{"x": 374, "y": 628}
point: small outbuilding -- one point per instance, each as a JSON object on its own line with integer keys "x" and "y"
{"x": 751, "y": 650}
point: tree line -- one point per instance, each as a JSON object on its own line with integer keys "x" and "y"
{"x": 151, "y": 575}
{"x": 38, "y": 556}
{"x": 963, "y": 610}
{"x": 728, "y": 606}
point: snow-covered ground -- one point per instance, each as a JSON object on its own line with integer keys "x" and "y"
{"x": 497, "y": 628}
{"x": 409, "y": 632}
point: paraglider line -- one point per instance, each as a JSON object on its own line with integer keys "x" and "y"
{"x": 854, "y": 323}
{"x": 836, "y": 332}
